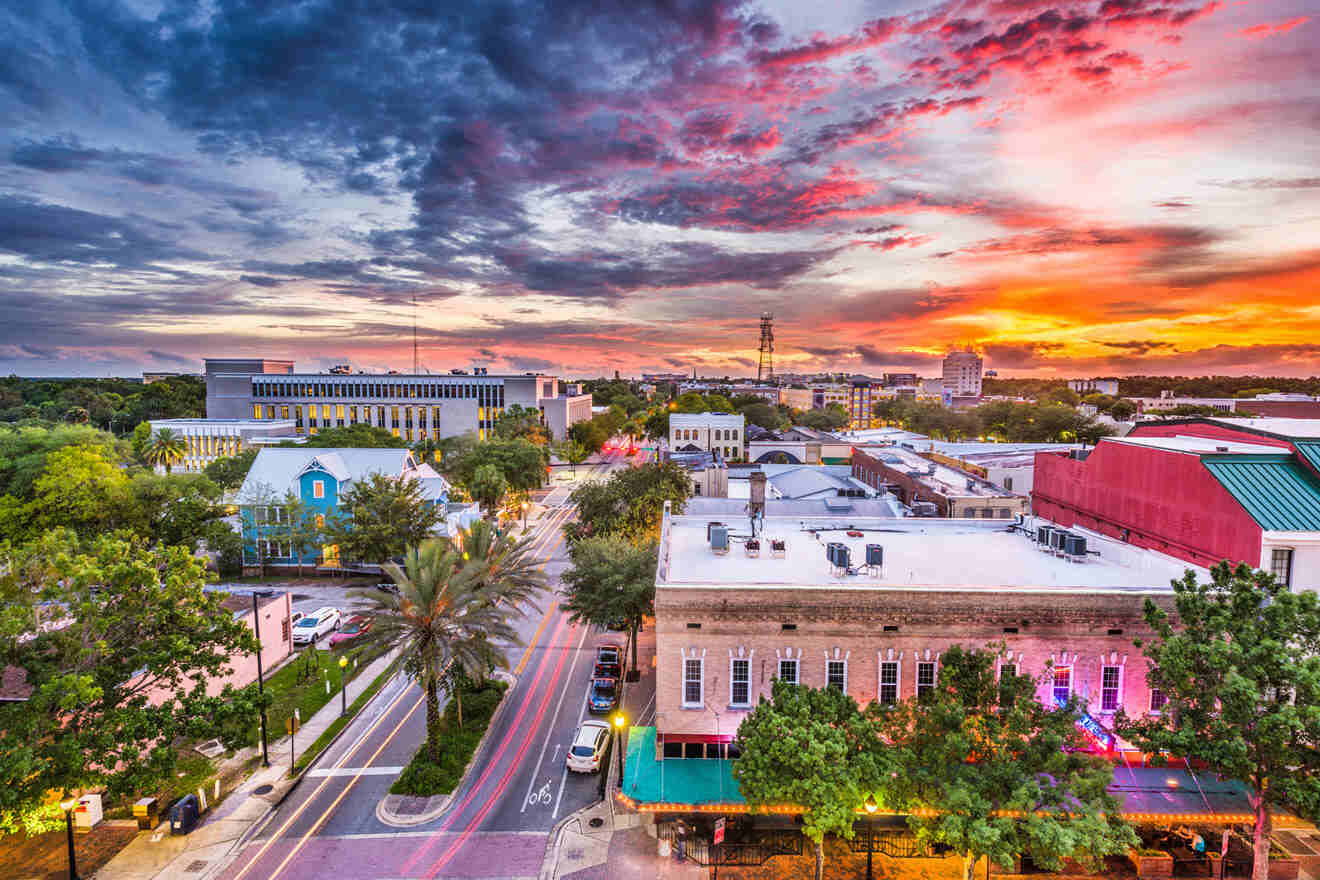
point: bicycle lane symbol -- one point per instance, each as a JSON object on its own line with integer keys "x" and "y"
{"x": 540, "y": 797}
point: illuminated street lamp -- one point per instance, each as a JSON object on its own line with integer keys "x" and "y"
{"x": 871, "y": 807}
{"x": 343, "y": 690}
{"x": 619, "y": 721}
{"x": 67, "y": 806}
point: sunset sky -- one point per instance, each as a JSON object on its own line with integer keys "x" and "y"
{"x": 1125, "y": 186}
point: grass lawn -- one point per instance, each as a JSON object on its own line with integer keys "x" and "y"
{"x": 301, "y": 684}
{"x": 423, "y": 778}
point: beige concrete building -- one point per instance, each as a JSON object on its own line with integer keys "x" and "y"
{"x": 962, "y": 373}
{"x": 731, "y": 618}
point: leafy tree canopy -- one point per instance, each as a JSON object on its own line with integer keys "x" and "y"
{"x": 812, "y": 748}
{"x": 1239, "y": 664}
{"x": 379, "y": 517}
{"x": 23, "y": 452}
{"x": 611, "y": 582}
{"x": 521, "y": 462}
{"x": 229, "y": 472}
{"x": 525, "y": 422}
{"x": 978, "y": 749}
{"x": 119, "y": 643}
{"x": 358, "y": 436}
{"x": 764, "y": 415}
{"x": 630, "y": 503}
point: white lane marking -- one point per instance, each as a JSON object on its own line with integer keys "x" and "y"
{"x": 554, "y": 721}
{"x": 355, "y": 771}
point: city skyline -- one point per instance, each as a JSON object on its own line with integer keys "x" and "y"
{"x": 1074, "y": 189}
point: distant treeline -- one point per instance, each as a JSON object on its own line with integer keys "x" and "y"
{"x": 116, "y": 405}
{"x": 1151, "y": 386}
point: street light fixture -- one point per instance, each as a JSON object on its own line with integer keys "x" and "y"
{"x": 619, "y": 721}
{"x": 343, "y": 691}
{"x": 67, "y": 806}
{"x": 871, "y": 806}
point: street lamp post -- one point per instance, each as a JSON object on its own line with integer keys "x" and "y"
{"x": 343, "y": 690}
{"x": 871, "y": 807}
{"x": 67, "y": 806}
{"x": 618, "y": 743}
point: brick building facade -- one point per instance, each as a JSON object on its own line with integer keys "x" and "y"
{"x": 954, "y": 492}
{"x": 727, "y": 625}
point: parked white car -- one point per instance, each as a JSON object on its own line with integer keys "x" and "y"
{"x": 588, "y": 746}
{"x": 320, "y": 622}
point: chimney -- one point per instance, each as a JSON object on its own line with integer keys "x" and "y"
{"x": 757, "y": 496}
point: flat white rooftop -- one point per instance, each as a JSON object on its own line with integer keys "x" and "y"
{"x": 948, "y": 481}
{"x": 1285, "y": 427}
{"x": 1197, "y": 445}
{"x": 918, "y": 554}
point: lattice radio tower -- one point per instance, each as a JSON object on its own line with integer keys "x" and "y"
{"x": 765, "y": 368}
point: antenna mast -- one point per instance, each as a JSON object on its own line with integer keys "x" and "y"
{"x": 765, "y": 368}
{"x": 414, "y": 305}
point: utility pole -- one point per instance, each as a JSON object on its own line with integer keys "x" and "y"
{"x": 261, "y": 692}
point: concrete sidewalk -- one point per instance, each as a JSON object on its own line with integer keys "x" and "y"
{"x": 158, "y": 855}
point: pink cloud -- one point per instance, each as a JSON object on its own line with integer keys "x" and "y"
{"x": 1269, "y": 30}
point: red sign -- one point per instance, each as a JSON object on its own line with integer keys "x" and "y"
{"x": 719, "y": 831}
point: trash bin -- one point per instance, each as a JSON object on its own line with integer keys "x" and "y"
{"x": 183, "y": 815}
{"x": 147, "y": 813}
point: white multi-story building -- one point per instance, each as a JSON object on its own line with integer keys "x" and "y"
{"x": 414, "y": 407}
{"x": 205, "y": 440}
{"x": 962, "y": 373}
{"x": 710, "y": 432}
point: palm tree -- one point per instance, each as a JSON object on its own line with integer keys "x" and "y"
{"x": 451, "y": 616}
{"x": 165, "y": 449}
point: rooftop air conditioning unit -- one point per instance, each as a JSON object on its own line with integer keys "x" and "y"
{"x": 837, "y": 554}
{"x": 752, "y": 547}
{"x": 719, "y": 538}
{"x": 1075, "y": 547}
{"x": 875, "y": 555}
{"x": 778, "y": 548}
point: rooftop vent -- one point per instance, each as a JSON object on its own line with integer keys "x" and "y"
{"x": 1221, "y": 449}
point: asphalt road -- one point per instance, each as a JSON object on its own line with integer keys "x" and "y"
{"x": 496, "y": 825}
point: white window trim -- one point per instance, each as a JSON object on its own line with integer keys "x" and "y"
{"x": 880, "y": 682}
{"x": 1118, "y": 696}
{"x": 845, "y": 673}
{"x": 916, "y": 675}
{"x": 318, "y": 489}
{"x": 701, "y": 683}
{"x": 797, "y": 668}
{"x": 1150, "y": 703}
{"x": 748, "y": 661}
{"x": 1072, "y": 682}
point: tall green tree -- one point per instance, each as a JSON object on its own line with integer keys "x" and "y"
{"x": 521, "y": 421}
{"x": 521, "y": 462}
{"x": 630, "y": 503}
{"x": 1239, "y": 665}
{"x": 1003, "y": 773}
{"x": 611, "y": 580}
{"x": 379, "y": 516}
{"x": 81, "y": 489}
{"x": 167, "y": 448}
{"x": 230, "y": 471}
{"x": 118, "y": 672}
{"x": 815, "y": 749}
{"x": 488, "y": 487}
{"x": 303, "y": 527}
{"x": 454, "y": 611}
{"x": 574, "y": 453}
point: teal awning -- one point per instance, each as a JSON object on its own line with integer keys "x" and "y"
{"x": 1276, "y": 490}
{"x": 692, "y": 781}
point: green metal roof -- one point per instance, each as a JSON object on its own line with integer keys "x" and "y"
{"x": 1276, "y": 490}
{"x": 1309, "y": 450}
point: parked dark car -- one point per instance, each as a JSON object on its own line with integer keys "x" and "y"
{"x": 609, "y": 661}
{"x": 603, "y": 695}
